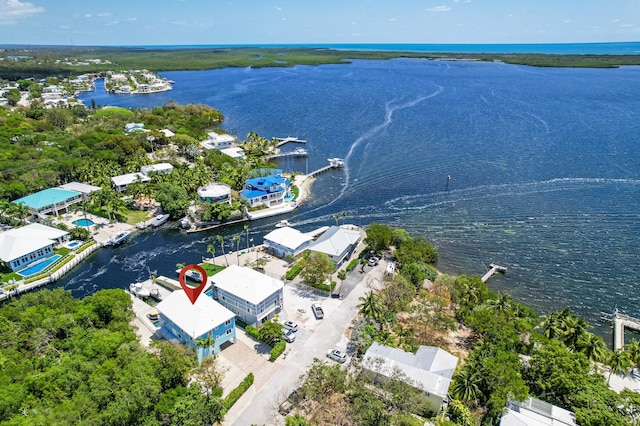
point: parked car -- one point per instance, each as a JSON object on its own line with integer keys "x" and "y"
{"x": 317, "y": 311}
{"x": 290, "y": 325}
{"x": 289, "y": 336}
{"x": 337, "y": 355}
{"x": 373, "y": 261}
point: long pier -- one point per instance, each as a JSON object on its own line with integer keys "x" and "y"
{"x": 620, "y": 322}
{"x": 491, "y": 272}
{"x": 300, "y": 152}
{"x": 334, "y": 163}
{"x": 289, "y": 139}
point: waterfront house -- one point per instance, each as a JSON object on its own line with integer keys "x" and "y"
{"x": 159, "y": 169}
{"x": 252, "y": 296}
{"x": 338, "y": 242}
{"x": 286, "y": 240}
{"x": 233, "y": 152}
{"x": 121, "y": 182}
{"x": 269, "y": 190}
{"x": 23, "y": 246}
{"x": 217, "y": 141}
{"x": 534, "y": 412}
{"x": 50, "y": 201}
{"x": 82, "y": 188}
{"x": 430, "y": 370}
{"x": 192, "y": 323}
{"x": 215, "y": 193}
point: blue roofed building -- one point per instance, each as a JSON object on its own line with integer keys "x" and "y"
{"x": 50, "y": 201}
{"x": 268, "y": 190}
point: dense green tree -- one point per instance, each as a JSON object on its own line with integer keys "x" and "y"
{"x": 316, "y": 269}
{"x": 378, "y": 236}
{"x": 417, "y": 250}
{"x": 619, "y": 362}
{"x": 270, "y": 332}
{"x": 172, "y": 198}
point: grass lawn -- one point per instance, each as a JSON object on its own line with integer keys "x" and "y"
{"x": 296, "y": 192}
{"x": 211, "y": 269}
{"x": 135, "y": 216}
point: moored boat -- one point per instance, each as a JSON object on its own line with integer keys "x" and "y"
{"x": 119, "y": 238}
{"x": 283, "y": 223}
{"x": 159, "y": 220}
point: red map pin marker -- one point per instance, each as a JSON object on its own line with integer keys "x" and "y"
{"x": 193, "y": 292}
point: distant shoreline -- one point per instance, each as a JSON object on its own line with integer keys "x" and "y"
{"x": 44, "y": 61}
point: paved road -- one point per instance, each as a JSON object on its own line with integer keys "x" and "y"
{"x": 261, "y": 407}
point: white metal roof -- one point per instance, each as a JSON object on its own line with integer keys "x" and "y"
{"x": 287, "y": 237}
{"x": 159, "y": 167}
{"x": 246, "y": 283}
{"x": 430, "y": 369}
{"x": 335, "y": 241}
{"x": 129, "y": 178}
{"x": 534, "y": 412}
{"x": 194, "y": 319}
{"x": 18, "y": 242}
{"x": 80, "y": 187}
{"x": 233, "y": 152}
{"x": 214, "y": 190}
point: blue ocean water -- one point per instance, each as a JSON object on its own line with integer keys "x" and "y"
{"x": 535, "y": 169}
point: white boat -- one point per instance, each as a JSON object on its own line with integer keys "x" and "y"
{"x": 185, "y": 223}
{"x": 283, "y": 223}
{"x": 138, "y": 290}
{"x": 119, "y": 238}
{"x": 159, "y": 220}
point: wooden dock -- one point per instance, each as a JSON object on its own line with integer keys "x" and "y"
{"x": 494, "y": 269}
{"x": 300, "y": 152}
{"x": 334, "y": 163}
{"x": 620, "y": 322}
{"x": 289, "y": 139}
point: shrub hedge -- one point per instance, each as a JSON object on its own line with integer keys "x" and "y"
{"x": 293, "y": 271}
{"x": 352, "y": 265}
{"x": 252, "y": 331}
{"x": 277, "y": 350}
{"x": 235, "y": 394}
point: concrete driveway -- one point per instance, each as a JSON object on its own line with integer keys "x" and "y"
{"x": 314, "y": 338}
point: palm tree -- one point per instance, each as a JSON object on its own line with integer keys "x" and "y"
{"x": 619, "y": 362}
{"x": 592, "y": 346}
{"x": 575, "y": 328}
{"x": 335, "y": 216}
{"x": 84, "y": 206}
{"x": 371, "y": 306}
{"x": 501, "y": 305}
{"x": 212, "y": 249}
{"x": 20, "y": 210}
{"x": 344, "y": 216}
{"x": 246, "y": 230}
{"x": 465, "y": 385}
{"x": 236, "y": 238}
{"x": 551, "y": 325}
{"x": 633, "y": 349}
{"x": 221, "y": 242}
{"x": 205, "y": 344}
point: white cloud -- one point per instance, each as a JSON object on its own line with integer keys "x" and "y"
{"x": 88, "y": 15}
{"x": 278, "y": 8}
{"x": 104, "y": 14}
{"x": 133, "y": 18}
{"x": 13, "y": 10}
{"x": 626, "y": 25}
{"x": 439, "y": 9}
{"x": 392, "y": 19}
{"x": 566, "y": 21}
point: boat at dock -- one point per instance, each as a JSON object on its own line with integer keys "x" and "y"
{"x": 119, "y": 238}
{"x": 160, "y": 219}
{"x": 138, "y": 290}
{"x": 283, "y": 223}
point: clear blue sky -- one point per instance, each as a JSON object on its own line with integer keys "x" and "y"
{"x": 179, "y": 22}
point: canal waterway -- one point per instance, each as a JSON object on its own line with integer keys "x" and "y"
{"x": 535, "y": 169}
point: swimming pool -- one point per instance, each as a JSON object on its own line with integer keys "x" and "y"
{"x": 39, "y": 266}
{"x": 73, "y": 244}
{"x": 83, "y": 222}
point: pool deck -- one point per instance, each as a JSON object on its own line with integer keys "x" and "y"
{"x": 101, "y": 230}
